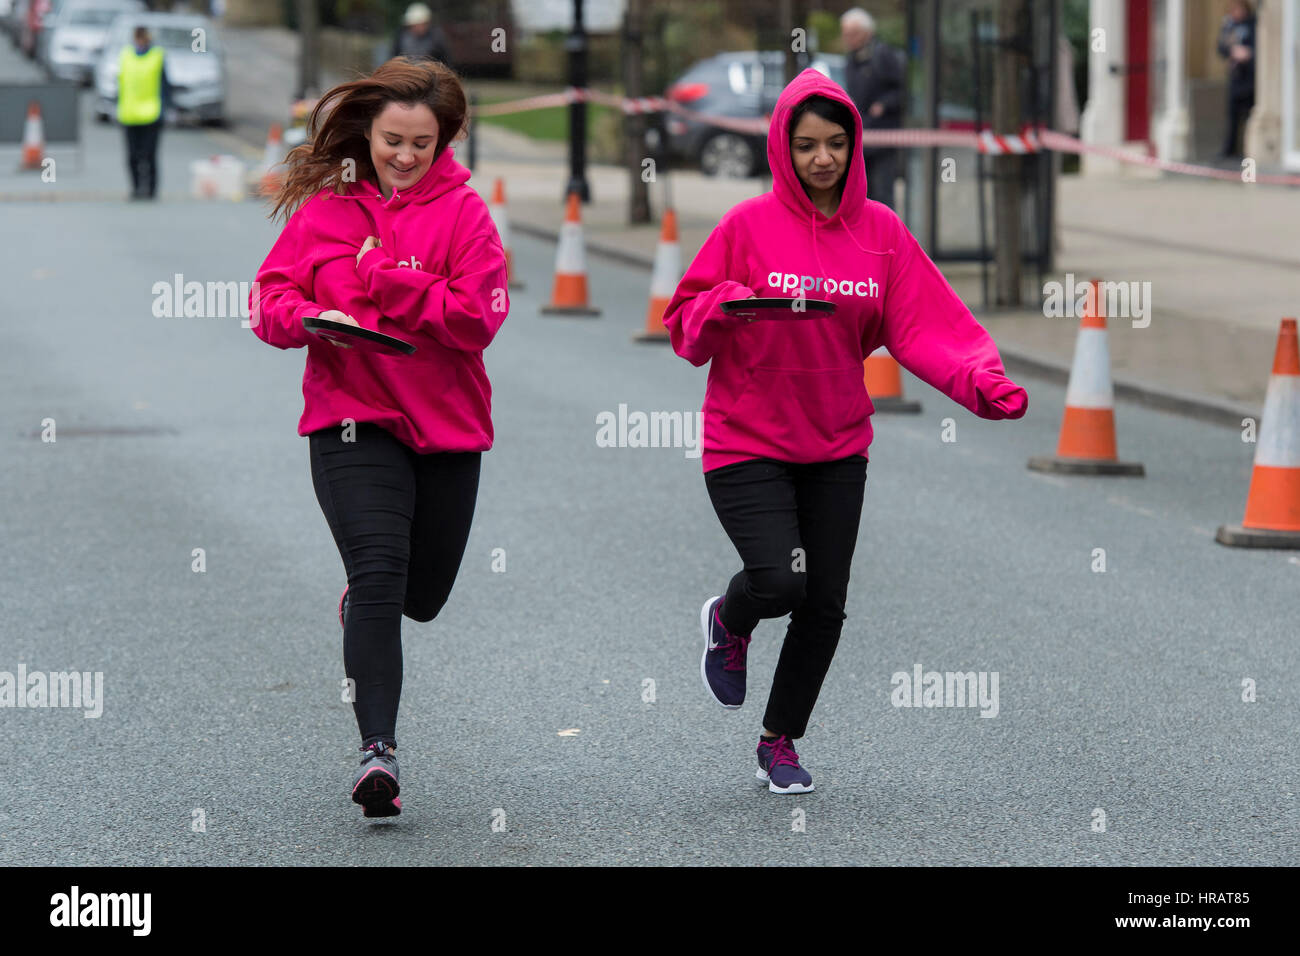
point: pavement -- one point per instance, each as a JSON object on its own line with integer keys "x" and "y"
{"x": 553, "y": 713}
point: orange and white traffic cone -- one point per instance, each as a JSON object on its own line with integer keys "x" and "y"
{"x": 273, "y": 162}
{"x": 33, "y": 138}
{"x": 501, "y": 219}
{"x": 663, "y": 280}
{"x": 884, "y": 380}
{"x": 569, "y": 295}
{"x": 1273, "y": 502}
{"x": 1087, "y": 443}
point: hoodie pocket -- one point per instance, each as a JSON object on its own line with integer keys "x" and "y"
{"x": 799, "y": 411}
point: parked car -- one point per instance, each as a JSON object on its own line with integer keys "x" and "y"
{"x": 75, "y": 34}
{"x": 197, "y": 77}
{"x": 740, "y": 85}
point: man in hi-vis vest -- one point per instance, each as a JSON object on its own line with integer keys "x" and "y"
{"x": 142, "y": 95}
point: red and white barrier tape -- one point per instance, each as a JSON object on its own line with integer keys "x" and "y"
{"x": 985, "y": 141}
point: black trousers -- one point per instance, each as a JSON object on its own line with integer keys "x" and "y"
{"x": 400, "y": 520}
{"x": 882, "y": 170}
{"x": 142, "y": 156}
{"x": 795, "y": 528}
{"x": 1239, "y": 108}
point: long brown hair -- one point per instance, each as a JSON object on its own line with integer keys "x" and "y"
{"x": 337, "y": 128}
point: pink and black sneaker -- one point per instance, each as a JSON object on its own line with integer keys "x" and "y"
{"x": 778, "y": 766}
{"x": 343, "y": 607}
{"x": 722, "y": 668}
{"x": 375, "y": 786}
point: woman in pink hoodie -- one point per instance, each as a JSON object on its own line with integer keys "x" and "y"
{"x": 786, "y": 414}
{"x": 384, "y": 233}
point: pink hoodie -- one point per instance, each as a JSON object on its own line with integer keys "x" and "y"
{"x": 792, "y": 389}
{"x": 438, "y": 280}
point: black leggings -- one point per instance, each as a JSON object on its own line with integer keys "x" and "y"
{"x": 400, "y": 520}
{"x": 795, "y": 527}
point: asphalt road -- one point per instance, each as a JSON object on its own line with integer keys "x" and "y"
{"x": 1119, "y": 690}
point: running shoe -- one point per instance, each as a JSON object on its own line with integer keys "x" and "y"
{"x": 343, "y": 607}
{"x": 375, "y": 786}
{"x": 778, "y": 766}
{"x": 722, "y": 667}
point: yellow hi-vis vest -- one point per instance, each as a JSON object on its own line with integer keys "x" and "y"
{"x": 139, "y": 86}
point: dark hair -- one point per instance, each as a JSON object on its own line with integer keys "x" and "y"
{"x": 341, "y": 119}
{"x": 141, "y": 34}
{"x": 831, "y": 111}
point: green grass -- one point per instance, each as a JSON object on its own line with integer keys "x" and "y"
{"x": 551, "y": 123}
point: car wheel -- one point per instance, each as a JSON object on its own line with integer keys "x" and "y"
{"x": 726, "y": 154}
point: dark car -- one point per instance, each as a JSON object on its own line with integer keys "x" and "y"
{"x": 739, "y": 85}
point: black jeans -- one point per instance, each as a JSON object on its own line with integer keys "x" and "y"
{"x": 795, "y": 527}
{"x": 142, "y": 156}
{"x": 400, "y": 520}
{"x": 1239, "y": 108}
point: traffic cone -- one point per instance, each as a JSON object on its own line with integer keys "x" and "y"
{"x": 569, "y": 296}
{"x": 501, "y": 219}
{"x": 273, "y": 161}
{"x": 663, "y": 280}
{"x": 884, "y": 380}
{"x": 1273, "y": 502}
{"x": 1087, "y": 443}
{"x": 33, "y": 138}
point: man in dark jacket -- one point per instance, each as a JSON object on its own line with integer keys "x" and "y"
{"x": 873, "y": 78}
{"x": 1237, "y": 46}
{"x": 420, "y": 36}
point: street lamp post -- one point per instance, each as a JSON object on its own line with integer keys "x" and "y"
{"x": 577, "y": 47}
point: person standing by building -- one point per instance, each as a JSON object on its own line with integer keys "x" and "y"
{"x": 873, "y": 78}
{"x": 143, "y": 94}
{"x": 420, "y": 36}
{"x": 1237, "y": 46}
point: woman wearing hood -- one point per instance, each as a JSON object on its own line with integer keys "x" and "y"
{"x": 384, "y": 233}
{"x": 786, "y": 413}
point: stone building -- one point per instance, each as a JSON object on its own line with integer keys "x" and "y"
{"x": 1156, "y": 81}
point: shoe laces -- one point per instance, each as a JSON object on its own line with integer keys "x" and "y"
{"x": 379, "y": 751}
{"x": 783, "y": 752}
{"x": 736, "y": 650}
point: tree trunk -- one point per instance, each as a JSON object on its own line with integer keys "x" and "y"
{"x": 634, "y": 124}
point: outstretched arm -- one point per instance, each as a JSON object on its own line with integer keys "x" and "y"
{"x": 932, "y": 334}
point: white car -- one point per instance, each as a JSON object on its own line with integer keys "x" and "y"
{"x": 73, "y": 38}
{"x": 194, "y": 61}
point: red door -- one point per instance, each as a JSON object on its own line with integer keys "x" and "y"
{"x": 1137, "y": 118}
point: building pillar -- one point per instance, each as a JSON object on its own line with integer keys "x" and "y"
{"x": 1263, "y": 140}
{"x": 1103, "y": 118}
{"x": 1171, "y": 126}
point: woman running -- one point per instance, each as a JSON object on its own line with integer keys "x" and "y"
{"x": 786, "y": 414}
{"x": 384, "y": 233}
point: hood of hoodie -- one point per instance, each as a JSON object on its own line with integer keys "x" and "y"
{"x": 785, "y": 181}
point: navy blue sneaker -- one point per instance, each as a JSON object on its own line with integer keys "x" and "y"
{"x": 375, "y": 785}
{"x": 722, "y": 667}
{"x": 778, "y": 766}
